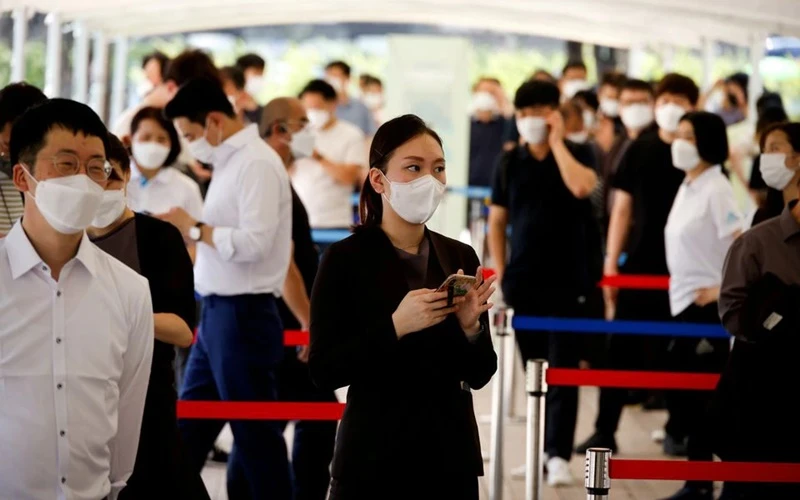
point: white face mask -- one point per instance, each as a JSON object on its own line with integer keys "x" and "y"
{"x": 69, "y": 203}
{"x": 588, "y": 118}
{"x": 483, "y": 102}
{"x": 579, "y": 137}
{"x": 254, "y": 85}
{"x": 201, "y": 149}
{"x": 684, "y": 155}
{"x": 302, "y": 143}
{"x": 111, "y": 208}
{"x": 318, "y": 118}
{"x": 774, "y": 171}
{"x": 149, "y": 154}
{"x": 373, "y": 100}
{"x": 636, "y": 116}
{"x": 336, "y": 83}
{"x": 668, "y": 116}
{"x": 415, "y": 201}
{"x": 572, "y": 87}
{"x": 532, "y": 129}
{"x": 609, "y": 107}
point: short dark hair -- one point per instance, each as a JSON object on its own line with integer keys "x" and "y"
{"x": 675, "y": 83}
{"x": 372, "y": 80}
{"x": 614, "y": 79}
{"x": 190, "y": 65}
{"x": 251, "y": 60}
{"x": 769, "y": 116}
{"x": 537, "y": 93}
{"x": 339, "y": 65}
{"x": 195, "y": 100}
{"x": 742, "y": 80}
{"x": 637, "y": 85}
{"x": 235, "y": 74}
{"x": 320, "y": 87}
{"x": 157, "y": 115}
{"x": 17, "y": 98}
{"x": 30, "y": 130}
{"x": 574, "y": 64}
{"x": 390, "y": 136}
{"x": 589, "y": 97}
{"x": 768, "y": 99}
{"x": 710, "y": 135}
{"x": 542, "y": 74}
{"x": 792, "y": 131}
{"x": 162, "y": 58}
{"x": 118, "y": 153}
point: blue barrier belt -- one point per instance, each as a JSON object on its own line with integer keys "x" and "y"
{"x": 619, "y": 326}
{"x": 329, "y": 235}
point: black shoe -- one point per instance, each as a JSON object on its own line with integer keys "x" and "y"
{"x": 219, "y": 456}
{"x": 687, "y": 493}
{"x": 597, "y": 440}
{"x": 654, "y": 402}
{"x": 674, "y": 447}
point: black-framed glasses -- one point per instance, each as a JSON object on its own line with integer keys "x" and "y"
{"x": 97, "y": 169}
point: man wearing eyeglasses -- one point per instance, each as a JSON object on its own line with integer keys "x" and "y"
{"x": 76, "y": 335}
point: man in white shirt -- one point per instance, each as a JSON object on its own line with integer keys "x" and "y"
{"x": 76, "y": 339}
{"x": 243, "y": 253}
{"x": 325, "y": 181}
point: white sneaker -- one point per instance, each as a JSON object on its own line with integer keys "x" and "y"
{"x": 558, "y": 473}
{"x": 519, "y": 472}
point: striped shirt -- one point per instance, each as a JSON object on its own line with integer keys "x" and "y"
{"x": 10, "y": 204}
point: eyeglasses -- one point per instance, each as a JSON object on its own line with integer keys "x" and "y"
{"x": 98, "y": 169}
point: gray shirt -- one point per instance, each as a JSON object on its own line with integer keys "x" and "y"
{"x": 770, "y": 247}
{"x": 121, "y": 244}
{"x": 357, "y": 113}
{"x": 415, "y": 265}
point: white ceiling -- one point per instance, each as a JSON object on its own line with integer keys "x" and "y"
{"x": 617, "y": 23}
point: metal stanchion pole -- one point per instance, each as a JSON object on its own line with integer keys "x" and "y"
{"x": 496, "y": 459}
{"x": 536, "y": 386}
{"x": 511, "y": 371}
{"x": 598, "y": 481}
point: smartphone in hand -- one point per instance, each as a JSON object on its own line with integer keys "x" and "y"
{"x": 456, "y": 285}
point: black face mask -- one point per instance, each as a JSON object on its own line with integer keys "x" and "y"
{"x": 6, "y": 167}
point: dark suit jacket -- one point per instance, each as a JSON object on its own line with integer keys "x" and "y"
{"x": 406, "y": 410}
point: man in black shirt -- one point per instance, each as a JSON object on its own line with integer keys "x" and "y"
{"x": 487, "y": 128}
{"x": 645, "y": 184}
{"x": 542, "y": 188}
{"x": 282, "y": 124}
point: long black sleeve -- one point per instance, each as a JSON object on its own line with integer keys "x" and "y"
{"x": 175, "y": 290}
{"x": 478, "y": 356}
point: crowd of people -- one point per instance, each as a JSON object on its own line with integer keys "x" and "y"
{"x": 163, "y": 258}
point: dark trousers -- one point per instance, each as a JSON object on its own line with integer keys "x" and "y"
{"x": 238, "y": 350}
{"x": 422, "y": 487}
{"x": 562, "y": 350}
{"x": 632, "y": 352}
{"x": 688, "y": 410}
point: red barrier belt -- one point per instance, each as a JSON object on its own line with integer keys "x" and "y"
{"x": 680, "y": 470}
{"x": 639, "y": 282}
{"x": 247, "y": 410}
{"x": 632, "y": 379}
{"x": 295, "y": 337}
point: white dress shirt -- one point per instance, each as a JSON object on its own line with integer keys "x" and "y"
{"x": 75, "y": 359}
{"x": 169, "y": 188}
{"x": 249, "y": 204}
{"x": 699, "y": 231}
{"x": 328, "y": 201}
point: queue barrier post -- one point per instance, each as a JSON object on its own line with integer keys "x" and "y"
{"x": 597, "y": 478}
{"x": 510, "y": 367}
{"x": 536, "y": 386}
{"x": 498, "y": 400}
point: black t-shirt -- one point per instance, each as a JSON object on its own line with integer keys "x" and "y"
{"x": 647, "y": 174}
{"x": 555, "y": 240}
{"x": 305, "y": 256}
{"x": 485, "y": 146}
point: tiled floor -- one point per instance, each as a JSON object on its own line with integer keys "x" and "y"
{"x": 633, "y": 438}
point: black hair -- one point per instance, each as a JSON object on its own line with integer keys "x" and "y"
{"x": 768, "y": 99}
{"x": 740, "y": 79}
{"x": 17, "y": 98}
{"x": 769, "y": 116}
{"x": 339, "y": 65}
{"x": 157, "y": 115}
{"x": 190, "y": 65}
{"x": 638, "y": 85}
{"x": 251, "y": 60}
{"x": 542, "y": 74}
{"x": 195, "y": 100}
{"x": 537, "y": 93}
{"x": 575, "y": 64}
{"x": 117, "y": 153}
{"x": 30, "y": 131}
{"x": 675, "y": 83}
{"x": 589, "y": 97}
{"x": 162, "y": 58}
{"x": 614, "y": 79}
{"x": 710, "y": 135}
{"x": 792, "y": 131}
{"x": 320, "y": 87}
{"x": 390, "y": 136}
{"x": 235, "y": 74}
{"x": 372, "y": 80}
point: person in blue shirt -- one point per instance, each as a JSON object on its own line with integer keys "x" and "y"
{"x": 337, "y": 73}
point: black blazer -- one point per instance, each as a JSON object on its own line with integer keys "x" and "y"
{"x": 405, "y": 396}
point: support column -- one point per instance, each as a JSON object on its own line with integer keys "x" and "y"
{"x": 80, "y": 62}
{"x": 20, "y": 35}
{"x": 99, "y": 87}
{"x": 119, "y": 77}
{"x": 756, "y": 85}
{"x": 668, "y": 58}
{"x": 635, "y": 58}
{"x": 52, "y": 74}
{"x": 708, "y": 63}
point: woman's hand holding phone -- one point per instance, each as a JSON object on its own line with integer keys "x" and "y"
{"x": 476, "y": 302}
{"x": 421, "y": 309}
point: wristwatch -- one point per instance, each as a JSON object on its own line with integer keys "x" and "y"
{"x": 196, "y": 232}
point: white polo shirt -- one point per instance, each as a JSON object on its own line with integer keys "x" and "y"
{"x": 169, "y": 188}
{"x": 699, "y": 231}
{"x": 326, "y": 200}
{"x": 249, "y": 204}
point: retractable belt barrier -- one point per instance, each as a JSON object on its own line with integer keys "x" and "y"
{"x": 676, "y": 329}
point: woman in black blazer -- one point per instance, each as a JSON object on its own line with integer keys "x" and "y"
{"x": 156, "y": 250}
{"x": 379, "y": 326}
